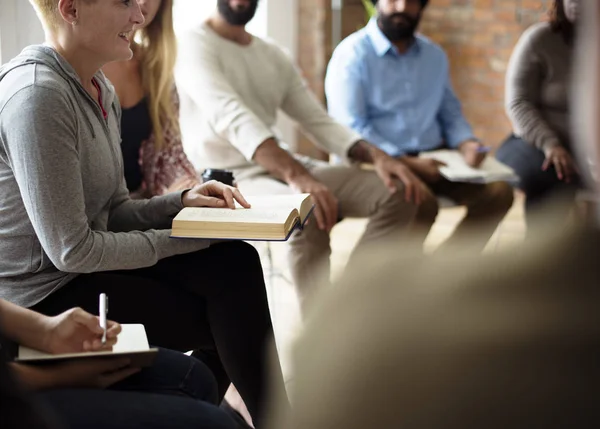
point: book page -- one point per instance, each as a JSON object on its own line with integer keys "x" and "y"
{"x": 288, "y": 202}
{"x": 131, "y": 339}
{"x": 456, "y": 166}
{"x": 239, "y": 215}
{"x": 303, "y": 203}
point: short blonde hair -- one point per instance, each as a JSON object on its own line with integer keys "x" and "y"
{"x": 47, "y": 11}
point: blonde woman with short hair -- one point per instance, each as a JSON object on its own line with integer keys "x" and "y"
{"x": 70, "y": 230}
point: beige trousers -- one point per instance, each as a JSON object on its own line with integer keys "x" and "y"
{"x": 361, "y": 194}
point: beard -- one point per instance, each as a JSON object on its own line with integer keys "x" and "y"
{"x": 397, "y": 30}
{"x": 235, "y": 16}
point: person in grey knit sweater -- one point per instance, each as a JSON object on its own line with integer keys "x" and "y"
{"x": 69, "y": 229}
{"x": 537, "y": 96}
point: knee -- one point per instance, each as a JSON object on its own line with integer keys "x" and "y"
{"x": 201, "y": 382}
{"x": 311, "y": 243}
{"x": 500, "y": 195}
{"x": 245, "y": 255}
{"x": 176, "y": 371}
{"x": 429, "y": 208}
{"x": 387, "y": 203}
{"x": 244, "y": 250}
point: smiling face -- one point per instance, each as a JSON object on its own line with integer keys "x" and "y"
{"x": 105, "y": 27}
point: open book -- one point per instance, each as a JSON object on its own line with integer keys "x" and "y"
{"x": 131, "y": 343}
{"x": 457, "y": 170}
{"x": 271, "y": 218}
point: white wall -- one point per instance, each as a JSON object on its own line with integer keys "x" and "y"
{"x": 19, "y": 27}
{"x": 282, "y": 19}
{"x": 276, "y": 19}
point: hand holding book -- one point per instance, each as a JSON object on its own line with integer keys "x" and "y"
{"x": 86, "y": 373}
{"x": 473, "y": 152}
{"x": 67, "y": 351}
{"x": 456, "y": 168}
{"x": 217, "y": 211}
{"x": 272, "y": 217}
{"x": 213, "y": 194}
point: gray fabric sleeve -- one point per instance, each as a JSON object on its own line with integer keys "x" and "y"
{"x": 42, "y": 149}
{"x": 522, "y": 94}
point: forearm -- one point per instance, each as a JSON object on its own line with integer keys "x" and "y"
{"x": 22, "y": 325}
{"x": 529, "y": 124}
{"x": 279, "y": 162}
{"x": 365, "y": 152}
{"x": 523, "y": 94}
{"x": 139, "y": 215}
{"x": 32, "y": 378}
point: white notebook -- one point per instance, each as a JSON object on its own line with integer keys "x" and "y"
{"x": 457, "y": 170}
{"x": 132, "y": 342}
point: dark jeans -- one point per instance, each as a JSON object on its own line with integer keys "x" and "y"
{"x": 213, "y": 300}
{"x": 539, "y": 186}
{"x": 17, "y": 408}
{"x": 178, "y": 391}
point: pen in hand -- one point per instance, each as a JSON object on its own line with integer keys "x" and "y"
{"x": 103, "y": 313}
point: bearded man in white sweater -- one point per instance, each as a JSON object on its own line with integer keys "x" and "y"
{"x": 231, "y": 86}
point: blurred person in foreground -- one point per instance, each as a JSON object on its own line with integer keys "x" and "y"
{"x": 511, "y": 343}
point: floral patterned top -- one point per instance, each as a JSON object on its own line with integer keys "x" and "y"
{"x": 162, "y": 168}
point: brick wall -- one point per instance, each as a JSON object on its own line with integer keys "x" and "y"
{"x": 478, "y": 36}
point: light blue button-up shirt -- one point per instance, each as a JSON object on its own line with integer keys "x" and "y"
{"x": 403, "y": 103}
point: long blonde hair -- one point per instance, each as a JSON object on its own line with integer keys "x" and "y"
{"x": 158, "y": 55}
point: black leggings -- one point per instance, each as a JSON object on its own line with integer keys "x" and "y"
{"x": 210, "y": 300}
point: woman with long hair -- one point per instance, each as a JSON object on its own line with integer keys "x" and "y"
{"x": 69, "y": 229}
{"x": 537, "y": 103}
{"x": 154, "y": 160}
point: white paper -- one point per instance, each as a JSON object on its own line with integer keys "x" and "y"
{"x": 458, "y": 170}
{"x": 131, "y": 339}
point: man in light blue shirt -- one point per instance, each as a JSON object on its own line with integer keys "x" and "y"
{"x": 393, "y": 87}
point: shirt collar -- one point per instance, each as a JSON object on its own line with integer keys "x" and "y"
{"x": 382, "y": 44}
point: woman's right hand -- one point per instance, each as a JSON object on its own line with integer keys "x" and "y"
{"x": 213, "y": 194}
{"x": 76, "y": 330}
{"x": 89, "y": 373}
{"x": 563, "y": 163}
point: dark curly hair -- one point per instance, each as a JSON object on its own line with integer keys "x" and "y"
{"x": 559, "y": 22}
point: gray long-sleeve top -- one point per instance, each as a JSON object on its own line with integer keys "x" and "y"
{"x": 537, "y": 83}
{"x": 64, "y": 206}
